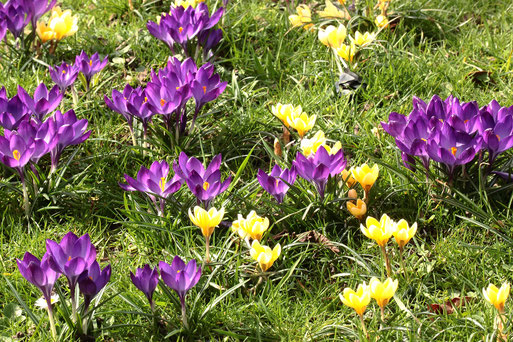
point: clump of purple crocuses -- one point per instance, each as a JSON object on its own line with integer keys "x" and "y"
{"x": 167, "y": 96}
{"x": 190, "y": 29}
{"x": 451, "y": 133}
{"x": 75, "y": 258}
{"x": 277, "y": 183}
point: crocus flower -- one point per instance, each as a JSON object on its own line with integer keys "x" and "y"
{"x": 310, "y": 146}
{"x": 146, "y": 280}
{"x": 381, "y": 21}
{"x": 284, "y": 111}
{"x": 71, "y": 257}
{"x": 380, "y": 231}
{"x": 209, "y": 39}
{"x": 366, "y": 176}
{"x": 320, "y": 167}
{"x": 357, "y": 300}
{"x": 187, "y": 3}
{"x": 497, "y": 296}
{"x": 181, "y": 278}
{"x": 332, "y": 12}
{"x": 204, "y": 183}
{"x": 70, "y": 131}
{"x": 40, "y": 274}
{"x": 60, "y": 25}
{"x": 206, "y": 87}
{"x": 253, "y": 226}
{"x": 64, "y": 75}
{"x": 92, "y": 281}
{"x": 333, "y": 36}
{"x": 155, "y": 181}
{"x": 382, "y": 292}
{"x": 403, "y": 233}
{"x": 16, "y": 17}
{"x": 358, "y": 209}
{"x": 264, "y": 255}
{"x": 36, "y": 9}
{"x": 90, "y": 66}
{"x": 207, "y": 221}
{"x": 364, "y": 39}
{"x": 12, "y": 111}
{"x": 15, "y": 152}
{"x": 347, "y": 52}
{"x": 347, "y": 177}
{"x": 302, "y": 123}
{"x": 277, "y": 182}
{"x": 302, "y": 18}
{"x": 43, "y": 102}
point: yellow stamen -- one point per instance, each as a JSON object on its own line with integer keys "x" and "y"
{"x": 145, "y": 99}
{"x": 162, "y": 102}
{"x": 91, "y": 62}
{"x": 162, "y": 183}
{"x": 423, "y": 139}
{"x": 16, "y": 154}
{"x": 277, "y": 181}
{"x": 178, "y": 271}
{"x": 180, "y": 29}
{"x": 63, "y": 71}
{"x": 204, "y": 89}
{"x": 454, "y": 150}
{"x": 90, "y": 277}
{"x": 206, "y": 185}
{"x": 177, "y": 88}
{"x": 498, "y": 138}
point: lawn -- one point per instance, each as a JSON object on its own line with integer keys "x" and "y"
{"x": 464, "y": 218}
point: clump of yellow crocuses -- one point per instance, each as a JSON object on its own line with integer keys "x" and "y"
{"x": 333, "y": 12}
{"x": 207, "y": 221}
{"x": 303, "y": 18}
{"x": 382, "y": 292}
{"x": 380, "y": 231}
{"x": 357, "y": 300}
{"x": 366, "y": 176}
{"x": 284, "y": 111}
{"x": 264, "y": 255}
{"x": 253, "y": 226}
{"x": 60, "y": 25}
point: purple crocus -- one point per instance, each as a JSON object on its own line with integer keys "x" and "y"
{"x": 146, "y": 280}
{"x": 35, "y": 134}
{"x": 181, "y": 278}
{"x": 12, "y": 111}
{"x": 70, "y": 131}
{"x": 16, "y": 17}
{"x": 43, "y": 102}
{"x": 206, "y": 87}
{"x": 15, "y": 152}
{"x": 36, "y": 8}
{"x": 64, "y": 75}
{"x": 71, "y": 257}
{"x": 92, "y": 281}
{"x": 319, "y": 167}
{"x": 40, "y": 274}
{"x": 204, "y": 183}
{"x": 89, "y": 66}
{"x": 166, "y": 96}
{"x": 155, "y": 181}
{"x": 277, "y": 182}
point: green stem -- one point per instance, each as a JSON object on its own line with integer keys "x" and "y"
{"x": 50, "y": 317}
{"x": 364, "y": 329}
{"x": 401, "y": 249}
{"x": 387, "y": 261}
{"x": 184, "y": 313}
{"x": 26, "y": 203}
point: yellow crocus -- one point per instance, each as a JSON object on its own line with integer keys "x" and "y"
{"x": 381, "y": 21}
{"x": 310, "y": 146}
{"x": 284, "y": 111}
{"x": 358, "y": 209}
{"x": 346, "y": 52}
{"x": 347, "y": 176}
{"x": 206, "y": 220}
{"x": 302, "y": 18}
{"x": 366, "y": 176}
{"x": 382, "y": 292}
{"x": 403, "y": 233}
{"x": 264, "y": 255}
{"x": 363, "y": 39}
{"x": 497, "y": 297}
{"x": 253, "y": 226}
{"x": 332, "y": 12}
{"x": 60, "y": 25}
{"x": 380, "y": 231}
{"x": 187, "y": 3}
{"x": 333, "y": 36}
{"x": 302, "y": 123}
{"x": 358, "y": 300}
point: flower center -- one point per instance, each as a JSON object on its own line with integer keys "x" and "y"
{"x": 177, "y": 88}
{"x": 145, "y": 99}
{"x": 277, "y": 181}
{"x": 69, "y": 258}
{"x": 498, "y": 138}
{"x": 178, "y": 271}
{"x": 162, "y": 102}
{"x": 16, "y": 154}
{"x": 63, "y": 71}
{"x": 206, "y": 185}
{"x": 423, "y": 139}
{"x": 91, "y": 62}
{"x": 204, "y": 89}
{"x": 162, "y": 183}
{"x": 454, "y": 150}
{"x": 91, "y": 278}
{"x": 180, "y": 29}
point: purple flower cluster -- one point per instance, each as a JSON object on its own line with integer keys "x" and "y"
{"x": 450, "y": 132}
{"x": 277, "y": 183}
{"x": 157, "y": 181}
{"x": 168, "y": 93}
{"x": 16, "y": 14}
{"x": 73, "y": 257}
{"x": 180, "y": 26}
{"x": 29, "y": 134}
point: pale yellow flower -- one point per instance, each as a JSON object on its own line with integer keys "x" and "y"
{"x": 381, "y": 21}
{"x": 333, "y": 36}
{"x": 347, "y": 52}
{"x": 187, "y": 3}
{"x": 497, "y": 297}
{"x": 206, "y": 220}
{"x": 310, "y": 146}
{"x": 253, "y": 226}
{"x": 380, "y": 231}
{"x": 366, "y": 176}
{"x": 382, "y": 292}
{"x": 60, "y": 25}
{"x": 332, "y": 12}
{"x": 302, "y": 123}
{"x": 363, "y": 39}
{"x": 358, "y": 300}
{"x": 403, "y": 233}
{"x": 264, "y": 255}
{"x": 284, "y": 111}
{"x": 302, "y": 18}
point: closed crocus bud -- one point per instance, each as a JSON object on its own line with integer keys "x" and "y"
{"x": 382, "y": 292}
{"x": 206, "y": 220}
{"x": 358, "y": 300}
{"x": 358, "y": 209}
{"x": 346, "y": 52}
{"x": 352, "y": 194}
{"x": 403, "y": 233}
{"x": 302, "y": 123}
{"x": 264, "y": 255}
{"x": 347, "y": 176}
{"x": 333, "y": 36}
{"x": 497, "y": 297}
{"x": 380, "y": 231}
{"x": 366, "y": 176}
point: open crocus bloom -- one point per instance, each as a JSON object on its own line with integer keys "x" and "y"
{"x": 358, "y": 300}
{"x": 497, "y": 296}
{"x": 365, "y": 175}
{"x": 403, "y": 233}
{"x": 380, "y": 231}
{"x": 179, "y": 276}
{"x": 382, "y": 292}
{"x": 333, "y": 36}
{"x": 264, "y": 255}
{"x": 253, "y": 226}
{"x": 277, "y": 182}
{"x": 207, "y": 221}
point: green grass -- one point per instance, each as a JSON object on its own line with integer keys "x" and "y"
{"x": 462, "y": 243}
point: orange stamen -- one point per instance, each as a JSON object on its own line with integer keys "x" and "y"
{"x": 180, "y": 29}
{"x": 162, "y": 102}
{"x": 206, "y": 185}
{"x": 454, "y": 150}
{"x": 16, "y": 154}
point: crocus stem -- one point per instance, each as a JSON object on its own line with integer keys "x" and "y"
{"x": 73, "y": 303}
{"x": 134, "y": 142}
{"x": 207, "y": 246}
{"x": 363, "y": 327}
{"x": 184, "y": 313}
{"x": 382, "y": 313}
{"x": 401, "y": 249}
{"x": 387, "y": 261}
{"x": 50, "y": 317}
{"x": 26, "y": 204}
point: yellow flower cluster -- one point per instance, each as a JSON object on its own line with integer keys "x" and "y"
{"x": 310, "y": 146}
{"x": 381, "y": 231}
{"x": 303, "y": 18}
{"x": 334, "y": 37}
{"x": 253, "y": 226}
{"x": 294, "y": 117}
{"x": 366, "y": 177}
{"x": 60, "y": 25}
